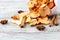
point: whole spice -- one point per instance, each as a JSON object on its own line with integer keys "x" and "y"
{"x": 20, "y": 11}
{"x": 40, "y": 27}
{"x": 4, "y": 21}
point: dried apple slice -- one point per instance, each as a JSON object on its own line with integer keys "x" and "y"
{"x": 51, "y": 23}
{"x": 51, "y": 0}
{"x": 45, "y": 1}
{"x": 23, "y": 22}
{"x": 28, "y": 19}
{"x": 51, "y": 5}
{"x": 31, "y": 3}
{"x": 18, "y": 16}
{"x": 56, "y": 20}
{"x": 44, "y": 11}
{"x": 20, "y": 22}
{"x": 21, "y": 19}
{"x": 33, "y": 22}
{"x": 34, "y": 14}
{"x": 15, "y": 16}
{"x": 47, "y": 10}
{"x": 43, "y": 5}
{"x": 43, "y": 20}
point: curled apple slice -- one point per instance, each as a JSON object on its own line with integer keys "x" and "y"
{"x": 51, "y": 0}
{"x": 45, "y": 1}
{"x": 23, "y": 22}
{"x": 44, "y": 20}
{"x": 44, "y": 11}
{"x": 51, "y": 5}
{"x": 34, "y": 14}
{"x": 31, "y": 3}
{"x": 15, "y": 16}
{"x": 18, "y": 16}
{"x": 33, "y": 22}
{"x": 47, "y": 10}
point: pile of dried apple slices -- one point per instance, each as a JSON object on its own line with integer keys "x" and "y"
{"x": 39, "y": 13}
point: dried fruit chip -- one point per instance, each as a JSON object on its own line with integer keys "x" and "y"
{"x": 51, "y": 5}
{"x": 23, "y": 22}
{"x": 56, "y": 20}
{"x": 44, "y": 11}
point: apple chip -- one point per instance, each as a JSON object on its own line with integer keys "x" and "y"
{"x": 31, "y": 3}
{"x": 43, "y": 20}
{"x": 15, "y": 17}
{"x": 56, "y": 20}
{"x": 33, "y": 22}
{"x": 18, "y": 16}
{"x": 34, "y": 14}
{"x": 23, "y": 22}
{"x": 51, "y": 0}
{"x": 44, "y": 11}
{"x": 45, "y": 1}
{"x": 51, "y": 5}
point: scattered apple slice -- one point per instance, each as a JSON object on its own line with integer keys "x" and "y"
{"x": 15, "y": 16}
{"x": 18, "y": 16}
